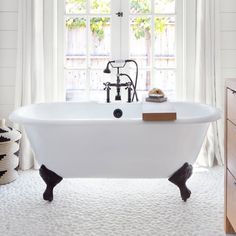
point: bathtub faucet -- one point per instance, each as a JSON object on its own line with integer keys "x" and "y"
{"x": 129, "y": 86}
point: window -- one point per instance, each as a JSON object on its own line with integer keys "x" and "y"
{"x": 95, "y": 34}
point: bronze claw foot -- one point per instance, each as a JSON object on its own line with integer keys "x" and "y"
{"x": 51, "y": 179}
{"x": 180, "y": 178}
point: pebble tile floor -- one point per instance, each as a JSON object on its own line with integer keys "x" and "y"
{"x": 113, "y": 207}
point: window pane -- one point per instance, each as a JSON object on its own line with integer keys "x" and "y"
{"x": 144, "y": 79}
{"x": 76, "y": 95}
{"x": 140, "y": 39}
{"x": 75, "y": 85}
{"x": 165, "y": 80}
{"x": 100, "y": 44}
{"x": 164, "y": 54}
{"x": 99, "y": 62}
{"x": 100, "y": 6}
{"x": 73, "y": 62}
{"x": 76, "y": 6}
{"x": 98, "y": 95}
{"x": 164, "y": 6}
{"x": 165, "y": 62}
{"x": 76, "y": 36}
{"x": 140, "y": 6}
{"x": 97, "y": 78}
{"x": 75, "y": 79}
{"x": 164, "y": 36}
{"x": 141, "y": 60}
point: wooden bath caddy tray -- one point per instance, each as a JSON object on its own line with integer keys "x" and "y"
{"x": 159, "y": 112}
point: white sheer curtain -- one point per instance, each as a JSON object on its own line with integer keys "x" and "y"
{"x": 202, "y": 82}
{"x": 38, "y": 78}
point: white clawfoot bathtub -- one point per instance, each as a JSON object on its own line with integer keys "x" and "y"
{"x": 85, "y": 140}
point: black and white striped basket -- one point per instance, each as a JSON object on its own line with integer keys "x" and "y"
{"x": 9, "y": 148}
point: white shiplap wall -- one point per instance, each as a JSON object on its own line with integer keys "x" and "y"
{"x": 8, "y": 45}
{"x": 228, "y": 38}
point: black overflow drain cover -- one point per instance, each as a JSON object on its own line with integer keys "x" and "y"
{"x": 118, "y": 113}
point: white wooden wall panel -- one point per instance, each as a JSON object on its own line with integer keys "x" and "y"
{"x": 229, "y": 73}
{"x": 9, "y": 5}
{"x": 7, "y": 58}
{"x": 8, "y": 47}
{"x": 228, "y": 5}
{"x": 5, "y": 111}
{"x": 228, "y": 21}
{"x": 7, "y": 76}
{"x": 8, "y": 21}
{"x": 228, "y": 58}
{"x": 7, "y": 95}
{"x": 8, "y": 39}
{"x": 228, "y": 40}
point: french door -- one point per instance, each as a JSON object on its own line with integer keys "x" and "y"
{"x": 97, "y": 31}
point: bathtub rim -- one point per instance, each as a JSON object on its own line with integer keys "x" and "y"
{"x": 215, "y": 114}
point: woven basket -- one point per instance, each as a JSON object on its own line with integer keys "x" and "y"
{"x": 9, "y": 147}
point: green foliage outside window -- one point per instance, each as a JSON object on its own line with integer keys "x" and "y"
{"x": 141, "y": 26}
{"x": 97, "y": 24}
{"x": 75, "y": 23}
{"x": 100, "y": 6}
{"x": 80, "y": 5}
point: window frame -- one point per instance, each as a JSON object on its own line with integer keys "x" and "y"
{"x": 120, "y": 33}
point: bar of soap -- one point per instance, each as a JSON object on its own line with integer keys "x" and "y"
{"x": 156, "y": 99}
{"x": 155, "y": 96}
